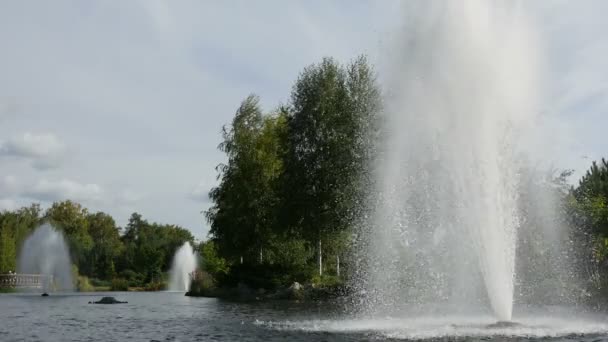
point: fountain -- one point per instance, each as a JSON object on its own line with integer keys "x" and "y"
{"x": 184, "y": 263}
{"x": 46, "y": 252}
{"x": 459, "y": 243}
{"x": 447, "y": 216}
{"x": 448, "y": 202}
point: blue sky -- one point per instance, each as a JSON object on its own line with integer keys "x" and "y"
{"x": 119, "y": 105}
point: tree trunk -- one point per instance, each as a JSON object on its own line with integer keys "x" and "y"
{"x": 261, "y": 256}
{"x": 338, "y": 266}
{"x": 320, "y": 259}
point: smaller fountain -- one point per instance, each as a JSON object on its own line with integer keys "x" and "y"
{"x": 45, "y": 252}
{"x": 184, "y": 263}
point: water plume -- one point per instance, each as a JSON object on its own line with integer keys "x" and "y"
{"x": 185, "y": 262}
{"x": 45, "y": 252}
{"x": 446, "y": 211}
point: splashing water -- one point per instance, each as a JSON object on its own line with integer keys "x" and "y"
{"x": 446, "y": 215}
{"x": 535, "y": 326}
{"x": 46, "y": 252}
{"x": 453, "y": 194}
{"x": 184, "y": 263}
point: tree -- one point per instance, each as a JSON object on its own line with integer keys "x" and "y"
{"x": 71, "y": 218}
{"x": 295, "y": 179}
{"x": 242, "y": 217}
{"x": 15, "y": 227}
{"x": 592, "y": 195}
{"x": 149, "y": 248}
{"x": 334, "y": 109}
{"x": 588, "y": 211}
{"x": 211, "y": 261}
{"x": 107, "y": 245}
{"x": 8, "y": 250}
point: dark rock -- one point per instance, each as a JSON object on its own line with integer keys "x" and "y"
{"x": 108, "y": 300}
{"x": 45, "y": 294}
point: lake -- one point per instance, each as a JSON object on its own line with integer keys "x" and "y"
{"x": 166, "y": 316}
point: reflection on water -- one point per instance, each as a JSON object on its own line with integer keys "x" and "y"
{"x": 174, "y": 317}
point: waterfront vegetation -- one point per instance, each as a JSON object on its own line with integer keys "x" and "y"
{"x": 104, "y": 256}
{"x": 290, "y": 202}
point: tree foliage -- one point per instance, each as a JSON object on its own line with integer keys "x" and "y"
{"x": 99, "y": 249}
{"x": 295, "y": 176}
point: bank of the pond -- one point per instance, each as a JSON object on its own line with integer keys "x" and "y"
{"x": 8, "y": 290}
{"x": 294, "y": 292}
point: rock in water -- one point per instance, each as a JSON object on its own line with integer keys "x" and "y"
{"x": 108, "y": 300}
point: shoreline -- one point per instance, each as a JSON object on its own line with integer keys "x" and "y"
{"x": 294, "y": 292}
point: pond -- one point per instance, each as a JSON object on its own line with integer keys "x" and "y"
{"x": 170, "y": 316}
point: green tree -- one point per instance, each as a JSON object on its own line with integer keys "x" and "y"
{"x": 592, "y": 195}
{"x": 334, "y": 111}
{"x": 8, "y": 250}
{"x": 211, "y": 261}
{"x": 295, "y": 179}
{"x": 242, "y": 217}
{"x": 149, "y": 249}
{"x": 72, "y": 219}
{"x": 15, "y": 227}
{"x": 107, "y": 245}
{"x": 588, "y": 211}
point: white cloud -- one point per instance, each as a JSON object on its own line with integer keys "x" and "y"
{"x": 64, "y": 189}
{"x": 44, "y": 151}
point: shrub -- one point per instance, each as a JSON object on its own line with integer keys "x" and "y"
{"x": 326, "y": 280}
{"x": 83, "y": 284}
{"x": 119, "y": 285}
{"x": 201, "y": 284}
{"x": 155, "y": 286}
{"x": 266, "y": 276}
{"x": 134, "y": 279}
{"x": 100, "y": 283}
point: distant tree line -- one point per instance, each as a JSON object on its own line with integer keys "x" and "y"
{"x": 137, "y": 255}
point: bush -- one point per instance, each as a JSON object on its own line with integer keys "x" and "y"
{"x": 201, "y": 284}
{"x": 134, "y": 279}
{"x": 264, "y": 276}
{"x": 155, "y": 286}
{"x": 119, "y": 285}
{"x": 83, "y": 284}
{"x": 212, "y": 263}
{"x": 100, "y": 283}
{"x": 326, "y": 280}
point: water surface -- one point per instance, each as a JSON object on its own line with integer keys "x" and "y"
{"x": 166, "y": 316}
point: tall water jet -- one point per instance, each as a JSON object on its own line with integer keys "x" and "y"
{"x": 184, "y": 263}
{"x": 45, "y": 252}
{"x": 446, "y": 214}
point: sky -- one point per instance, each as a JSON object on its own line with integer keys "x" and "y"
{"x": 119, "y": 104}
